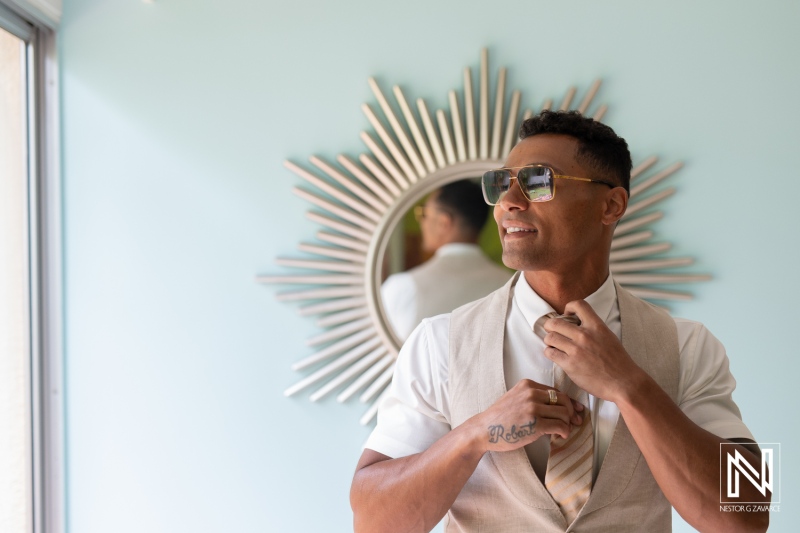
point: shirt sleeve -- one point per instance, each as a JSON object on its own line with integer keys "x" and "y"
{"x": 414, "y": 414}
{"x": 706, "y": 383}
{"x": 399, "y": 295}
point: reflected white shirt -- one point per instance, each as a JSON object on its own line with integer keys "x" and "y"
{"x": 458, "y": 273}
{"x": 416, "y": 411}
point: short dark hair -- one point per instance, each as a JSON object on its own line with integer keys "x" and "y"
{"x": 464, "y": 200}
{"x": 598, "y": 146}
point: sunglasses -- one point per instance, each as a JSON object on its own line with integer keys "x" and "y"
{"x": 421, "y": 212}
{"x": 537, "y": 183}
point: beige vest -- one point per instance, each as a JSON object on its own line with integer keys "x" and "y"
{"x": 450, "y": 280}
{"x": 504, "y": 494}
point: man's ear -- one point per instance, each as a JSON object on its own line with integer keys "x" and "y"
{"x": 447, "y": 220}
{"x": 615, "y": 205}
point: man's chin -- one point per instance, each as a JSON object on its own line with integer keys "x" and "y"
{"x": 516, "y": 262}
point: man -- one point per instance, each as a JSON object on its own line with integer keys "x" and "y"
{"x": 450, "y": 222}
{"x": 655, "y": 392}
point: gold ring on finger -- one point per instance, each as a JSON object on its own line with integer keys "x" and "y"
{"x": 553, "y": 396}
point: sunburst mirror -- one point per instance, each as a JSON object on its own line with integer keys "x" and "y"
{"x": 359, "y": 203}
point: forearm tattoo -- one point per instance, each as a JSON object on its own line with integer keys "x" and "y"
{"x": 513, "y": 435}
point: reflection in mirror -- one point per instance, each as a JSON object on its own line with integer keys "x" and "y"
{"x": 444, "y": 253}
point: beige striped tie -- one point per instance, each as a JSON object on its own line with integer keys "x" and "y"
{"x": 569, "y": 468}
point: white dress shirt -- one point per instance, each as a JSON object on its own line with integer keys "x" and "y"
{"x": 416, "y": 412}
{"x": 458, "y": 273}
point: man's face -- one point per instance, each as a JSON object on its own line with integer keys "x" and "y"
{"x": 560, "y": 234}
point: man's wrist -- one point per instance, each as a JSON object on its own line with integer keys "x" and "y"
{"x": 473, "y": 440}
{"x": 633, "y": 388}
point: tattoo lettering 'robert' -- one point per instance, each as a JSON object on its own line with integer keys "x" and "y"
{"x": 513, "y": 435}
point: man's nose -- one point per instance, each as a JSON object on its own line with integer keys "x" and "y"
{"x": 514, "y": 199}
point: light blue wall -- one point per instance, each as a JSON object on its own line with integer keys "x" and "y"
{"x": 176, "y": 119}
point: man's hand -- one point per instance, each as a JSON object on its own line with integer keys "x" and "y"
{"x": 590, "y": 354}
{"x": 682, "y": 456}
{"x": 413, "y": 493}
{"x": 522, "y": 415}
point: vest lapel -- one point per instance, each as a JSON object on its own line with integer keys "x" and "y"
{"x": 648, "y": 333}
{"x": 514, "y": 466}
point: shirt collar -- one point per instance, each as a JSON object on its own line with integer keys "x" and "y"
{"x": 458, "y": 248}
{"x": 533, "y": 306}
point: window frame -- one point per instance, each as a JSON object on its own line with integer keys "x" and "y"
{"x": 45, "y": 272}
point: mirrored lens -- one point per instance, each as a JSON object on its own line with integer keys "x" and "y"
{"x": 537, "y": 182}
{"x": 495, "y": 184}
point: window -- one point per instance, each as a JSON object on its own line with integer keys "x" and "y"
{"x": 31, "y": 419}
{"x": 16, "y": 504}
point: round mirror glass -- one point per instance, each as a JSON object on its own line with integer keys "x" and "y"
{"x": 443, "y": 252}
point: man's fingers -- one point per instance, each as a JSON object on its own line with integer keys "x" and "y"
{"x": 528, "y": 384}
{"x": 564, "y": 409}
{"x": 556, "y": 355}
{"x": 583, "y": 310}
{"x": 559, "y": 325}
{"x": 553, "y": 426}
{"x": 558, "y": 340}
{"x": 537, "y": 400}
{"x": 554, "y": 412}
{"x": 564, "y": 329}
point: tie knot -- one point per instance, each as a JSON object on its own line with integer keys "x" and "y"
{"x": 538, "y": 326}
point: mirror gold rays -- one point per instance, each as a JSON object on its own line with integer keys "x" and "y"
{"x": 359, "y": 201}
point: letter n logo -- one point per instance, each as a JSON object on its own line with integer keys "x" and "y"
{"x": 736, "y": 467}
